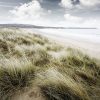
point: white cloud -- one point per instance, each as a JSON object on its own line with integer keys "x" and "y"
{"x": 74, "y": 9}
{"x": 81, "y": 3}
{"x": 91, "y": 23}
{"x": 33, "y": 13}
{"x": 83, "y": 23}
{"x": 50, "y": 11}
{"x": 66, "y": 3}
{"x": 90, "y": 3}
{"x": 28, "y": 13}
{"x": 71, "y": 18}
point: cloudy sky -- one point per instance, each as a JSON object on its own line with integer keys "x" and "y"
{"x": 84, "y": 13}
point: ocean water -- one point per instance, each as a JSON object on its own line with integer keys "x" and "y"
{"x": 88, "y": 35}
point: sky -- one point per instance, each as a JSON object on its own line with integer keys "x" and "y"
{"x": 80, "y": 13}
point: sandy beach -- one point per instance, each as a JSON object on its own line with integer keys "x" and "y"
{"x": 92, "y": 49}
{"x": 87, "y": 41}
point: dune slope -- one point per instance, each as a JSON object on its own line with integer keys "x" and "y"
{"x": 33, "y": 67}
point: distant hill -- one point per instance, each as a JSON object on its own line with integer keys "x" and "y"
{"x": 40, "y": 27}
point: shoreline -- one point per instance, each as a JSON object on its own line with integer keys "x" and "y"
{"x": 91, "y": 48}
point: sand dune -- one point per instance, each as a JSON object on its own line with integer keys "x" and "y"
{"x": 34, "y": 67}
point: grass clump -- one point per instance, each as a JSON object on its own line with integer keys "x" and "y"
{"x": 77, "y": 59}
{"x": 41, "y": 58}
{"x": 59, "y": 86}
{"x": 39, "y": 41}
{"x": 53, "y": 47}
{"x": 14, "y": 79}
{"x": 3, "y": 46}
{"x": 21, "y": 40}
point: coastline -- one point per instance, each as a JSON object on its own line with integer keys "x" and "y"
{"x": 91, "y": 48}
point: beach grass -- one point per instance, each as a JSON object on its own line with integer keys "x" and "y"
{"x": 30, "y": 60}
